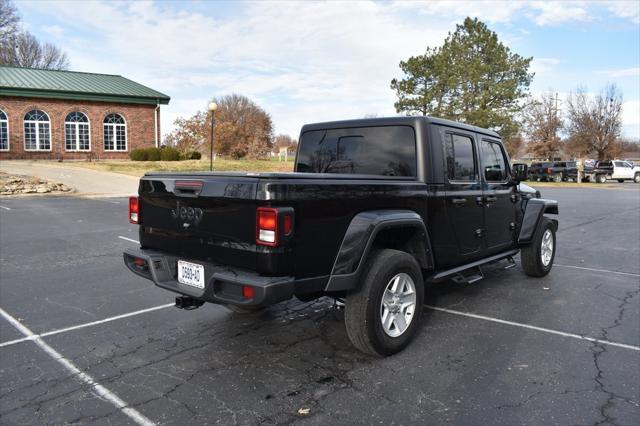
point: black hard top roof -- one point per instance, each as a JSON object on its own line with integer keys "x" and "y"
{"x": 390, "y": 121}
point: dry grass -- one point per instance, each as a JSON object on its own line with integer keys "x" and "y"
{"x": 138, "y": 168}
{"x": 569, "y": 185}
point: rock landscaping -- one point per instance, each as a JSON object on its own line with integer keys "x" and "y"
{"x": 16, "y": 184}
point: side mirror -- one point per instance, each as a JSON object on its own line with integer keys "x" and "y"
{"x": 519, "y": 172}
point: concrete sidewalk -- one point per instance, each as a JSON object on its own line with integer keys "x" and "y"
{"x": 85, "y": 182}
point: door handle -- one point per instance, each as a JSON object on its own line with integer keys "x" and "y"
{"x": 479, "y": 201}
{"x": 514, "y": 198}
{"x": 458, "y": 201}
{"x": 490, "y": 199}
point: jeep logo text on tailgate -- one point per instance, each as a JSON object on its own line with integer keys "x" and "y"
{"x": 187, "y": 215}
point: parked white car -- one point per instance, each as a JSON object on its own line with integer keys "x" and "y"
{"x": 619, "y": 170}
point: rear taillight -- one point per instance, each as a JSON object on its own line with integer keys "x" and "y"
{"x": 273, "y": 225}
{"x": 134, "y": 210}
{"x": 267, "y": 226}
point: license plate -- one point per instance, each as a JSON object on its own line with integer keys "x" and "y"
{"x": 191, "y": 274}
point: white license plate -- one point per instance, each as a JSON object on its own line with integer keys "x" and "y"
{"x": 191, "y": 274}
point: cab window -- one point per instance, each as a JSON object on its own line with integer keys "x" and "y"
{"x": 493, "y": 161}
{"x": 461, "y": 164}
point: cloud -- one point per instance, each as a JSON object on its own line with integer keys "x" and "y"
{"x": 625, "y": 9}
{"x": 622, "y": 72}
{"x": 631, "y": 113}
{"x": 543, "y": 65}
{"x": 555, "y": 12}
{"x": 317, "y": 58}
{"x": 302, "y": 62}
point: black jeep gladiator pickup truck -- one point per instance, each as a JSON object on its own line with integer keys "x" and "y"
{"x": 375, "y": 209}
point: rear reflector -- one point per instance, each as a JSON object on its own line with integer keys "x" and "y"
{"x": 288, "y": 224}
{"x": 134, "y": 210}
{"x": 247, "y": 292}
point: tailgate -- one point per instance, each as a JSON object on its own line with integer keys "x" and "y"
{"x": 208, "y": 217}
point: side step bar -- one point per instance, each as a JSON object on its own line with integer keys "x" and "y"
{"x": 469, "y": 276}
{"x": 458, "y": 270}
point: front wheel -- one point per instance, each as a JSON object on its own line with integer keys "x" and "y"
{"x": 537, "y": 257}
{"x": 601, "y": 178}
{"x": 557, "y": 178}
{"x": 636, "y": 178}
{"x": 382, "y": 317}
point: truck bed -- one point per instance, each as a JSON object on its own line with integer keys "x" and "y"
{"x": 324, "y": 205}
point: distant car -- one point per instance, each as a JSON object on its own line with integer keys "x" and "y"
{"x": 619, "y": 170}
{"x": 556, "y": 171}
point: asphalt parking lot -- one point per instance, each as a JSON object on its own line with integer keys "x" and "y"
{"x": 107, "y": 347}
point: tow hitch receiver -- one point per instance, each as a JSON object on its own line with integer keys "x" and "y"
{"x": 188, "y": 303}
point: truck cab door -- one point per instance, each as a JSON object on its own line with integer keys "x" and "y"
{"x": 463, "y": 194}
{"x": 499, "y": 197}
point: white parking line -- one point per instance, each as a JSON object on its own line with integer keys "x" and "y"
{"x": 128, "y": 239}
{"x": 630, "y": 274}
{"x": 6, "y": 208}
{"x": 533, "y": 327}
{"x": 100, "y": 390}
{"x": 87, "y": 324}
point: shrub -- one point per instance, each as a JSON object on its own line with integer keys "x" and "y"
{"x": 139, "y": 155}
{"x": 153, "y": 154}
{"x": 194, "y": 155}
{"x": 169, "y": 154}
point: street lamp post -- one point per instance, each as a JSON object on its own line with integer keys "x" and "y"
{"x": 212, "y": 107}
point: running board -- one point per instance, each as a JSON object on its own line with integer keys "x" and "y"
{"x": 449, "y": 273}
{"x": 469, "y": 276}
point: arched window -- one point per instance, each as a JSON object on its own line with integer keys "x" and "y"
{"x": 76, "y": 132}
{"x": 37, "y": 131}
{"x": 115, "y": 133}
{"x": 4, "y": 131}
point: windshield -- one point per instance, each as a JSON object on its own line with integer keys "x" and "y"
{"x": 383, "y": 150}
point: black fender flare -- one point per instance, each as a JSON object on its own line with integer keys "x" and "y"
{"x": 535, "y": 209}
{"x": 359, "y": 237}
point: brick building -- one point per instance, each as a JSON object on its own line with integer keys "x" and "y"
{"x": 48, "y": 114}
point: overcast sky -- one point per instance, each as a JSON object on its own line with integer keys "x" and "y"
{"x": 312, "y": 61}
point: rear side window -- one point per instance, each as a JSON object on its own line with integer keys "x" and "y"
{"x": 620, "y": 164}
{"x": 384, "y": 150}
{"x": 493, "y": 161}
{"x": 461, "y": 163}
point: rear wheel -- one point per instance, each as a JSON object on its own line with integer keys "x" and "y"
{"x": 557, "y": 177}
{"x": 537, "y": 258}
{"x": 382, "y": 317}
{"x": 636, "y": 178}
{"x": 601, "y": 178}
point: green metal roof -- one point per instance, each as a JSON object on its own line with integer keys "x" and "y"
{"x": 30, "y": 82}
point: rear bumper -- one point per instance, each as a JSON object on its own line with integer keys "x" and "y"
{"x": 223, "y": 284}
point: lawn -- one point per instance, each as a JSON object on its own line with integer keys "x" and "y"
{"x": 138, "y": 168}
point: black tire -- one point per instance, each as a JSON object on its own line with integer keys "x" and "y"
{"x": 531, "y": 255}
{"x": 601, "y": 178}
{"x": 636, "y": 178}
{"x": 362, "y": 314}
{"x": 557, "y": 178}
{"x": 245, "y": 310}
{"x": 621, "y": 180}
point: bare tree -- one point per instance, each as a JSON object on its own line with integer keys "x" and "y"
{"x": 243, "y": 129}
{"x": 9, "y": 20}
{"x": 542, "y": 123}
{"x": 21, "y": 49}
{"x": 24, "y": 50}
{"x": 284, "y": 141}
{"x": 594, "y": 122}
